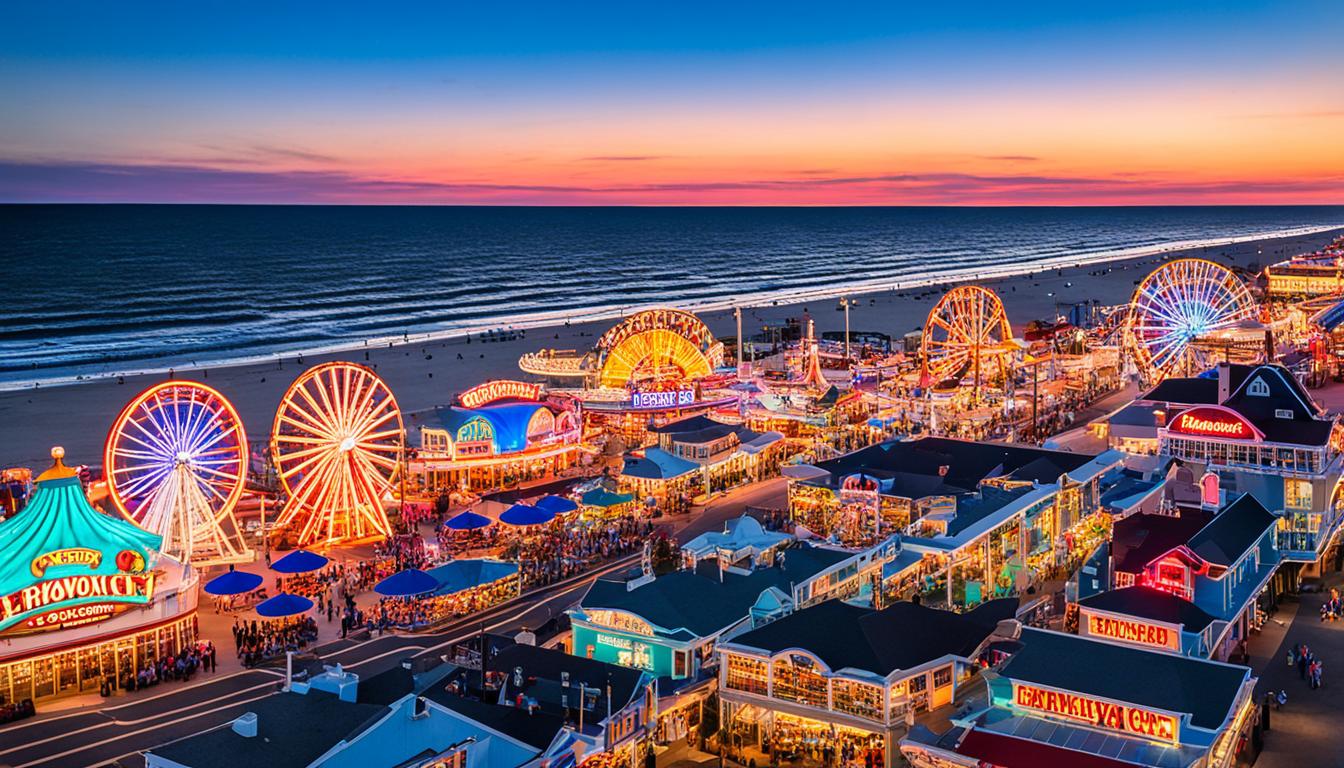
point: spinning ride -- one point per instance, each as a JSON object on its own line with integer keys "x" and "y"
{"x": 175, "y": 462}
{"x": 654, "y": 347}
{"x": 337, "y": 445}
{"x": 1176, "y": 305}
{"x": 967, "y": 332}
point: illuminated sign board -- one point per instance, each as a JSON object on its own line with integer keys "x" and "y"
{"x": 629, "y": 653}
{"x": 74, "y": 600}
{"x": 1095, "y": 712}
{"x": 502, "y": 389}
{"x": 1130, "y": 631}
{"x": 673, "y": 398}
{"x": 1213, "y": 422}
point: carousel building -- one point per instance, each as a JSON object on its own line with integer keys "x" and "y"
{"x": 88, "y": 599}
{"x": 1060, "y": 699}
{"x": 499, "y": 433}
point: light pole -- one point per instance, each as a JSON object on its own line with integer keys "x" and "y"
{"x": 846, "y": 303}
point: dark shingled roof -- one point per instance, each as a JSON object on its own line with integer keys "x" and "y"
{"x": 1233, "y": 531}
{"x": 688, "y": 424}
{"x": 699, "y": 602}
{"x": 547, "y": 664}
{"x": 536, "y": 730}
{"x": 1139, "y": 539}
{"x": 1153, "y": 604}
{"x": 966, "y": 462}
{"x": 1205, "y": 689}
{"x": 293, "y": 730}
{"x": 900, "y": 636}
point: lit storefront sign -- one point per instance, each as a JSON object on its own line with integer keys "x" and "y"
{"x": 1096, "y": 712}
{"x": 673, "y": 398}
{"x": 615, "y": 648}
{"x": 1213, "y": 422}
{"x": 1130, "y": 631}
{"x": 70, "y": 601}
{"x": 501, "y": 389}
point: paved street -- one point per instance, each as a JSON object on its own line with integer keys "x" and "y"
{"x": 117, "y": 731}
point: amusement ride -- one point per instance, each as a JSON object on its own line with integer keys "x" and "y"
{"x": 337, "y": 445}
{"x": 175, "y": 462}
{"x": 1178, "y": 305}
{"x": 966, "y": 332}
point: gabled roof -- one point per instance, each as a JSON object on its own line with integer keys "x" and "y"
{"x": 1207, "y": 690}
{"x": 901, "y": 636}
{"x": 1140, "y": 539}
{"x": 1287, "y": 414}
{"x": 698, "y": 602}
{"x": 1233, "y": 531}
{"x": 1152, "y": 604}
{"x": 688, "y": 424}
{"x": 545, "y": 668}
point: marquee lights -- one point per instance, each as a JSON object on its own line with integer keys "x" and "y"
{"x": 1103, "y": 714}
{"x": 500, "y": 389}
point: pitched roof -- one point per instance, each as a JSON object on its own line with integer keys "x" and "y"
{"x": 688, "y": 424}
{"x": 698, "y": 602}
{"x": 536, "y": 730}
{"x": 1233, "y": 531}
{"x": 293, "y": 730}
{"x": 1207, "y": 690}
{"x": 656, "y": 464}
{"x": 1139, "y": 539}
{"x": 997, "y": 749}
{"x": 548, "y": 666}
{"x": 1152, "y": 604}
{"x": 901, "y": 636}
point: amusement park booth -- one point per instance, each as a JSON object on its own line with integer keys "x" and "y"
{"x": 703, "y": 454}
{"x": 1061, "y": 699}
{"x": 499, "y": 433}
{"x": 848, "y": 674}
{"x": 1221, "y": 560}
{"x": 88, "y": 598}
{"x": 1264, "y": 435}
{"x": 1309, "y": 275}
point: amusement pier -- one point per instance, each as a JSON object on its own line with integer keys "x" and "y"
{"x": 1106, "y": 537}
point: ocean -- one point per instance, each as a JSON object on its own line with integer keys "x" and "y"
{"x": 100, "y": 290}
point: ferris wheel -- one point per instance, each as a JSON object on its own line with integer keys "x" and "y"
{"x": 175, "y": 463}
{"x": 337, "y": 445}
{"x": 1178, "y": 303}
{"x": 966, "y": 330}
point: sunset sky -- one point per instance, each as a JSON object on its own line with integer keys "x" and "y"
{"x": 673, "y": 103}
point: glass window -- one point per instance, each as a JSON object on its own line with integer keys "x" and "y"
{"x": 799, "y": 680}
{"x": 918, "y": 684}
{"x": 1297, "y": 493}
{"x": 21, "y": 679}
{"x": 747, "y": 674}
{"x": 942, "y": 677}
{"x": 857, "y": 698}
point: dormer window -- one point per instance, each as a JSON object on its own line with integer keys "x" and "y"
{"x": 1258, "y": 388}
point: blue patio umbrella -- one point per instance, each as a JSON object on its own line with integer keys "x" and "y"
{"x": 556, "y": 504}
{"x": 233, "y": 583}
{"x": 284, "y": 604}
{"x": 411, "y": 581}
{"x": 299, "y": 561}
{"x": 467, "y": 521}
{"x": 522, "y": 514}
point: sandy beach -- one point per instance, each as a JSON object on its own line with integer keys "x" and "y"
{"x": 427, "y": 374}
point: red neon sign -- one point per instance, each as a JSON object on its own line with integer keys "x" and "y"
{"x": 1103, "y": 714}
{"x": 1130, "y": 631}
{"x": 502, "y": 389}
{"x": 1213, "y": 422}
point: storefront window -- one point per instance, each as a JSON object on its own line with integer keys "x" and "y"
{"x": 857, "y": 698}
{"x": 1297, "y": 493}
{"x": 942, "y": 677}
{"x": 797, "y": 679}
{"x": 21, "y": 681}
{"x": 747, "y": 674}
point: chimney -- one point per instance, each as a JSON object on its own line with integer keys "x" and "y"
{"x": 246, "y": 725}
{"x": 1224, "y": 382}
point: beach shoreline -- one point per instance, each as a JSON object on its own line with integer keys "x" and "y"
{"x": 425, "y": 371}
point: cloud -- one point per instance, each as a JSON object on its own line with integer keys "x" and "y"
{"x": 107, "y": 182}
{"x": 258, "y": 153}
{"x": 621, "y": 158}
{"x": 1011, "y": 158}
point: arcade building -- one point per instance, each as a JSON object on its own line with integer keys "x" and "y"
{"x": 1060, "y": 699}
{"x": 497, "y": 434}
{"x": 87, "y": 598}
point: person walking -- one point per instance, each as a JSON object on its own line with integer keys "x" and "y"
{"x": 1302, "y": 663}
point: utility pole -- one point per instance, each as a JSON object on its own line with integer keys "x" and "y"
{"x": 846, "y": 303}
{"x": 737, "y": 312}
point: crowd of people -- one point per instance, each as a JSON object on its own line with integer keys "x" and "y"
{"x": 175, "y": 667}
{"x": 558, "y": 550}
{"x": 257, "y": 641}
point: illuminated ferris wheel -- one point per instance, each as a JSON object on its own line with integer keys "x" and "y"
{"x": 175, "y": 462}
{"x": 1177, "y": 304}
{"x": 967, "y": 331}
{"x": 337, "y": 445}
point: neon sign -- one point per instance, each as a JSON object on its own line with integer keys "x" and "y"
{"x": 1103, "y": 714}
{"x": 501, "y": 389}
{"x": 41, "y": 606}
{"x": 1131, "y": 631}
{"x": 1213, "y": 422}
{"x": 672, "y": 398}
{"x": 90, "y": 558}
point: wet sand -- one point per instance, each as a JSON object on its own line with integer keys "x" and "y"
{"x": 423, "y": 375}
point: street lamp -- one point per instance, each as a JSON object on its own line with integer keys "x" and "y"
{"x": 845, "y": 304}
